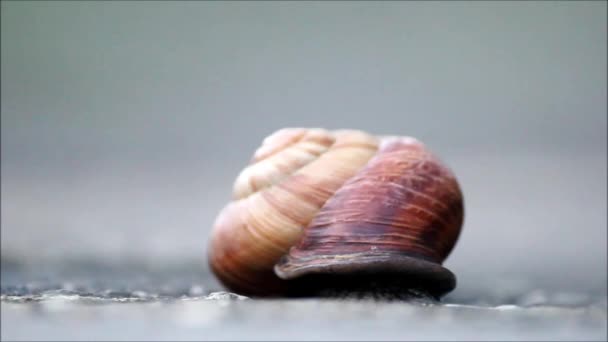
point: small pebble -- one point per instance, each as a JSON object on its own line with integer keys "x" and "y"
{"x": 221, "y": 295}
{"x": 507, "y": 307}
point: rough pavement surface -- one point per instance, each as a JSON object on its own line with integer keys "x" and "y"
{"x": 179, "y": 304}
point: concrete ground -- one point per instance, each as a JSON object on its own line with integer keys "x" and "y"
{"x": 199, "y": 319}
{"x": 96, "y": 303}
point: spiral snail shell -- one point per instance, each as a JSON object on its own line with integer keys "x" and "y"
{"x": 318, "y": 209}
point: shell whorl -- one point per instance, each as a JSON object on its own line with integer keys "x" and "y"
{"x": 290, "y": 177}
{"x": 313, "y": 200}
{"x": 401, "y": 213}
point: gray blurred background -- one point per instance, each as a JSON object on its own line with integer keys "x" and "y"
{"x": 124, "y": 124}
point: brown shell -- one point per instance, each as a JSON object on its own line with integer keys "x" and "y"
{"x": 400, "y": 211}
{"x": 291, "y": 176}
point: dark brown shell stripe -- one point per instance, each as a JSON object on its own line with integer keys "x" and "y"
{"x": 393, "y": 205}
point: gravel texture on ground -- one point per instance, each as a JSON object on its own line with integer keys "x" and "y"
{"x": 122, "y": 304}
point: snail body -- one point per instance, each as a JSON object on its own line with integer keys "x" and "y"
{"x": 320, "y": 211}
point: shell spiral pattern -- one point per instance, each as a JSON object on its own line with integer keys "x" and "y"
{"x": 318, "y": 201}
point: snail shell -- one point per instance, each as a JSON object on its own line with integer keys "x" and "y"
{"x": 316, "y": 202}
